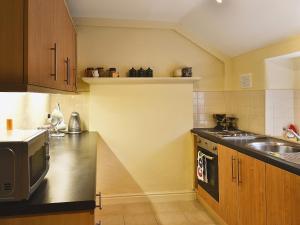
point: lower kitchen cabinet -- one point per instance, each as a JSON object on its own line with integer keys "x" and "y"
{"x": 228, "y": 184}
{"x": 242, "y": 188}
{"x": 251, "y": 191}
{"x": 283, "y": 197}
{"x": 67, "y": 218}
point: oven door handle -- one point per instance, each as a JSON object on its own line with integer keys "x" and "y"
{"x": 207, "y": 157}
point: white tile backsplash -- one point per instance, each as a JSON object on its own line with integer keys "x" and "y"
{"x": 247, "y": 106}
{"x": 279, "y": 110}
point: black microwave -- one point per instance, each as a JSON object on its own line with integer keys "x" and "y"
{"x": 24, "y": 162}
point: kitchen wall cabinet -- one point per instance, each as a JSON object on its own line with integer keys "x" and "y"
{"x": 242, "y": 188}
{"x": 38, "y": 46}
{"x": 283, "y": 197}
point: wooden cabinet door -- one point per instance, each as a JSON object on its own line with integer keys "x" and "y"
{"x": 69, "y": 54}
{"x": 283, "y": 197}
{"x": 251, "y": 191}
{"x": 60, "y": 33}
{"x": 65, "y": 46}
{"x": 41, "y": 52}
{"x": 11, "y": 42}
{"x": 228, "y": 184}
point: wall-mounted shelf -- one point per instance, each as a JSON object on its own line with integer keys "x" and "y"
{"x": 140, "y": 80}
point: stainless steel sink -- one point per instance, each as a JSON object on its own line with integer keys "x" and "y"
{"x": 274, "y": 147}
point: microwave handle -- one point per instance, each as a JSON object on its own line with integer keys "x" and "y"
{"x": 47, "y": 146}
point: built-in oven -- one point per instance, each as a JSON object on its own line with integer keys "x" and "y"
{"x": 207, "y": 166}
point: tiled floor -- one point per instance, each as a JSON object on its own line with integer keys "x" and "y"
{"x": 169, "y": 213}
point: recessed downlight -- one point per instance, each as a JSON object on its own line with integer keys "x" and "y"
{"x": 219, "y": 1}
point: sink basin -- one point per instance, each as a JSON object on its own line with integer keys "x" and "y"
{"x": 274, "y": 147}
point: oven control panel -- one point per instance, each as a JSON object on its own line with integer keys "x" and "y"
{"x": 208, "y": 145}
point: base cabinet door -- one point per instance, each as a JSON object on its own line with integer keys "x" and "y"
{"x": 251, "y": 191}
{"x": 228, "y": 184}
{"x": 242, "y": 187}
{"x": 62, "y": 218}
{"x": 283, "y": 197}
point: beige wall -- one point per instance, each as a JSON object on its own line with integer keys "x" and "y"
{"x": 280, "y": 74}
{"x": 254, "y": 62}
{"x": 146, "y": 137}
{"x": 164, "y": 50}
{"x": 28, "y": 110}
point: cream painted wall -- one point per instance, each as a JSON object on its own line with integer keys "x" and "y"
{"x": 164, "y": 50}
{"x": 280, "y": 74}
{"x": 253, "y": 62}
{"x": 146, "y": 140}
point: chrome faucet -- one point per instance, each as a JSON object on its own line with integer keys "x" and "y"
{"x": 293, "y": 133}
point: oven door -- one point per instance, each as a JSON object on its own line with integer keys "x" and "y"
{"x": 211, "y": 184}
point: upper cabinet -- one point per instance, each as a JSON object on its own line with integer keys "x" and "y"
{"x": 38, "y": 46}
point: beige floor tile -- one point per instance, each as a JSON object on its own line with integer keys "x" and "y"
{"x": 199, "y": 218}
{"x": 172, "y": 218}
{"x": 140, "y": 219}
{"x": 138, "y": 208}
{"x": 190, "y": 206}
{"x": 112, "y": 220}
{"x": 117, "y": 209}
{"x": 164, "y": 207}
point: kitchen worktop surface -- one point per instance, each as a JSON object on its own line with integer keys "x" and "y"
{"x": 241, "y": 146}
{"x": 70, "y": 184}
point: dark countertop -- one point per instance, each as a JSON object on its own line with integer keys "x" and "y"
{"x": 70, "y": 184}
{"x": 240, "y": 146}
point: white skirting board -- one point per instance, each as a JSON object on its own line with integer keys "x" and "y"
{"x": 148, "y": 197}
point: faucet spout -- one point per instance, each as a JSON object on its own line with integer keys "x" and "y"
{"x": 293, "y": 133}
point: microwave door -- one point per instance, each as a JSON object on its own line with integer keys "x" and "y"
{"x": 7, "y": 178}
{"x": 38, "y": 164}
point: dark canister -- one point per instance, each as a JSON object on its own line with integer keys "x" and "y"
{"x": 101, "y": 71}
{"x": 187, "y": 72}
{"x": 132, "y": 72}
{"x": 89, "y": 71}
{"x": 111, "y": 71}
{"x": 149, "y": 72}
{"x": 141, "y": 72}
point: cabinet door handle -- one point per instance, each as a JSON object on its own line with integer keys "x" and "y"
{"x": 67, "y": 61}
{"x": 75, "y": 79}
{"x": 55, "y": 61}
{"x": 99, "y": 195}
{"x": 239, "y": 171}
{"x": 233, "y": 172}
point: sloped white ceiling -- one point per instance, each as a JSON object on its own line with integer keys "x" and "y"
{"x": 234, "y": 27}
{"x": 153, "y": 10}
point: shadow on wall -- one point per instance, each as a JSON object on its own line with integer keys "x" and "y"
{"x": 112, "y": 177}
{"x": 117, "y": 184}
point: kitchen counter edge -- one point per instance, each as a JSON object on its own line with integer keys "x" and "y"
{"x": 272, "y": 160}
{"x": 40, "y": 202}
